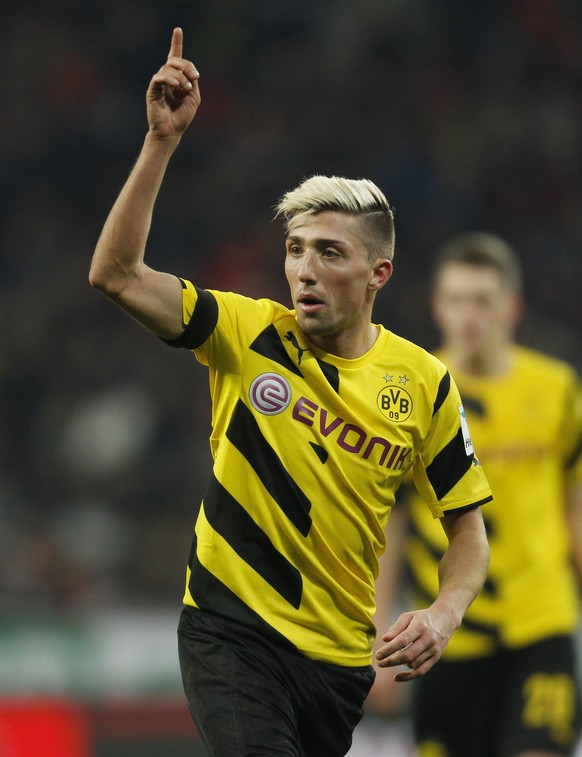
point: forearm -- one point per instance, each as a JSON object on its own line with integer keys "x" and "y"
{"x": 418, "y": 638}
{"x": 390, "y": 570}
{"x": 120, "y": 250}
{"x": 462, "y": 570}
{"x": 154, "y": 298}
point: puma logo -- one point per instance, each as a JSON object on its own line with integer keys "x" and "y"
{"x": 290, "y": 336}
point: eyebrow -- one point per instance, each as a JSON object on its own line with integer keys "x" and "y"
{"x": 318, "y": 242}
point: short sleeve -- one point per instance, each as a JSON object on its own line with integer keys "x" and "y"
{"x": 447, "y": 472}
{"x": 199, "y": 316}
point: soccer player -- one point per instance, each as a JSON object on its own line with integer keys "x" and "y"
{"x": 317, "y": 416}
{"x": 506, "y": 684}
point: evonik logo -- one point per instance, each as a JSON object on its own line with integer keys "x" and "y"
{"x": 350, "y": 437}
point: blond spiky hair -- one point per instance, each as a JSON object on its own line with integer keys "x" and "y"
{"x": 354, "y": 196}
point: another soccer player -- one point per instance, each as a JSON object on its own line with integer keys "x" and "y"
{"x": 318, "y": 414}
{"x": 506, "y": 685}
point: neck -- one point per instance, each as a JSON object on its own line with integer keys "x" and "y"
{"x": 346, "y": 345}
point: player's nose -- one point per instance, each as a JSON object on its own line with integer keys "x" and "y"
{"x": 307, "y": 267}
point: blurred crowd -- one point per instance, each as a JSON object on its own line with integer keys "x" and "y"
{"x": 467, "y": 115}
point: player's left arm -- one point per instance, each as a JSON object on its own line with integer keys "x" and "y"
{"x": 385, "y": 697}
{"x": 418, "y": 638}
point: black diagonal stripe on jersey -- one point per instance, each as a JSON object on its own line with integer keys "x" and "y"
{"x": 449, "y": 466}
{"x": 474, "y": 405}
{"x": 244, "y": 432}
{"x": 228, "y": 518}
{"x": 331, "y": 373}
{"x": 194, "y": 543}
{"x": 269, "y": 345}
{"x": 442, "y": 392}
{"x": 490, "y": 587}
{"x": 321, "y": 453}
{"x": 570, "y": 462}
{"x": 490, "y": 529}
{"x": 211, "y": 595}
{"x": 202, "y": 323}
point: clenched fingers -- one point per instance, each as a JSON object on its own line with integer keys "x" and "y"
{"x": 413, "y": 641}
{"x": 177, "y": 73}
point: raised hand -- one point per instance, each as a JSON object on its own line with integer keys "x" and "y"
{"x": 173, "y": 95}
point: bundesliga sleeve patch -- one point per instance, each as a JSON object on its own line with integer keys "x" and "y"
{"x": 270, "y": 393}
{"x": 466, "y": 433}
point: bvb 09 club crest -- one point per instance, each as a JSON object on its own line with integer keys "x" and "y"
{"x": 395, "y": 403}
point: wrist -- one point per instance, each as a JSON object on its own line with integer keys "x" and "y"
{"x": 163, "y": 144}
{"x": 449, "y": 609}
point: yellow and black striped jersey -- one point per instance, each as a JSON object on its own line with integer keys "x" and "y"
{"x": 309, "y": 450}
{"x": 527, "y": 429}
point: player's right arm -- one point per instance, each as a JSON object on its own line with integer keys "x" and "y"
{"x": 118, "y": 268}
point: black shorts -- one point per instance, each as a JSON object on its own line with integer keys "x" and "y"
{"x": 511, "y": 702}
{"x": 249, "y": 696}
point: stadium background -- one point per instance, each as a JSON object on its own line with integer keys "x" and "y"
{"x": 468, "y": 115}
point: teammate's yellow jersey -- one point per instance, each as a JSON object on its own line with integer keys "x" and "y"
{"x": 309, "y": 450}
{"x": 527, "y": 430}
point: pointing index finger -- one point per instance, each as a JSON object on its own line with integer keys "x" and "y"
{"x": 176, "y": 46}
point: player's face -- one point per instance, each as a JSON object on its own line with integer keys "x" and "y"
{"x": 331, "y": 279}
{"x": 473, "y": 308}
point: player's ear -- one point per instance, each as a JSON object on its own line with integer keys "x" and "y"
{"x": 381, "y": 273}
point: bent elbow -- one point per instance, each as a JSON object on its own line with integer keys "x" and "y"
{"x": 105, "y": 281}
{"x": 96, "y": 280}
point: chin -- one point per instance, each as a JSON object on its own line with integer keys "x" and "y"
{"x": 311, "y": 326}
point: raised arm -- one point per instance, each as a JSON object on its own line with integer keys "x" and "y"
{"x": 118, "y": 268}
{"x": 418, "y": 638}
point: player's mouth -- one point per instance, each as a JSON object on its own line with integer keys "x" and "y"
{"x": 309, "y": 303}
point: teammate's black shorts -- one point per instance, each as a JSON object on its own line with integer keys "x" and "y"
{"x": 249, "y": 696}
{"x": 511, "y": 702}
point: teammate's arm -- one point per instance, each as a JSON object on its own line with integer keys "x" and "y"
{"x": 574, "y": 517}
{"x": 417, "y": 639}
{"x": 118, "y": 268}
